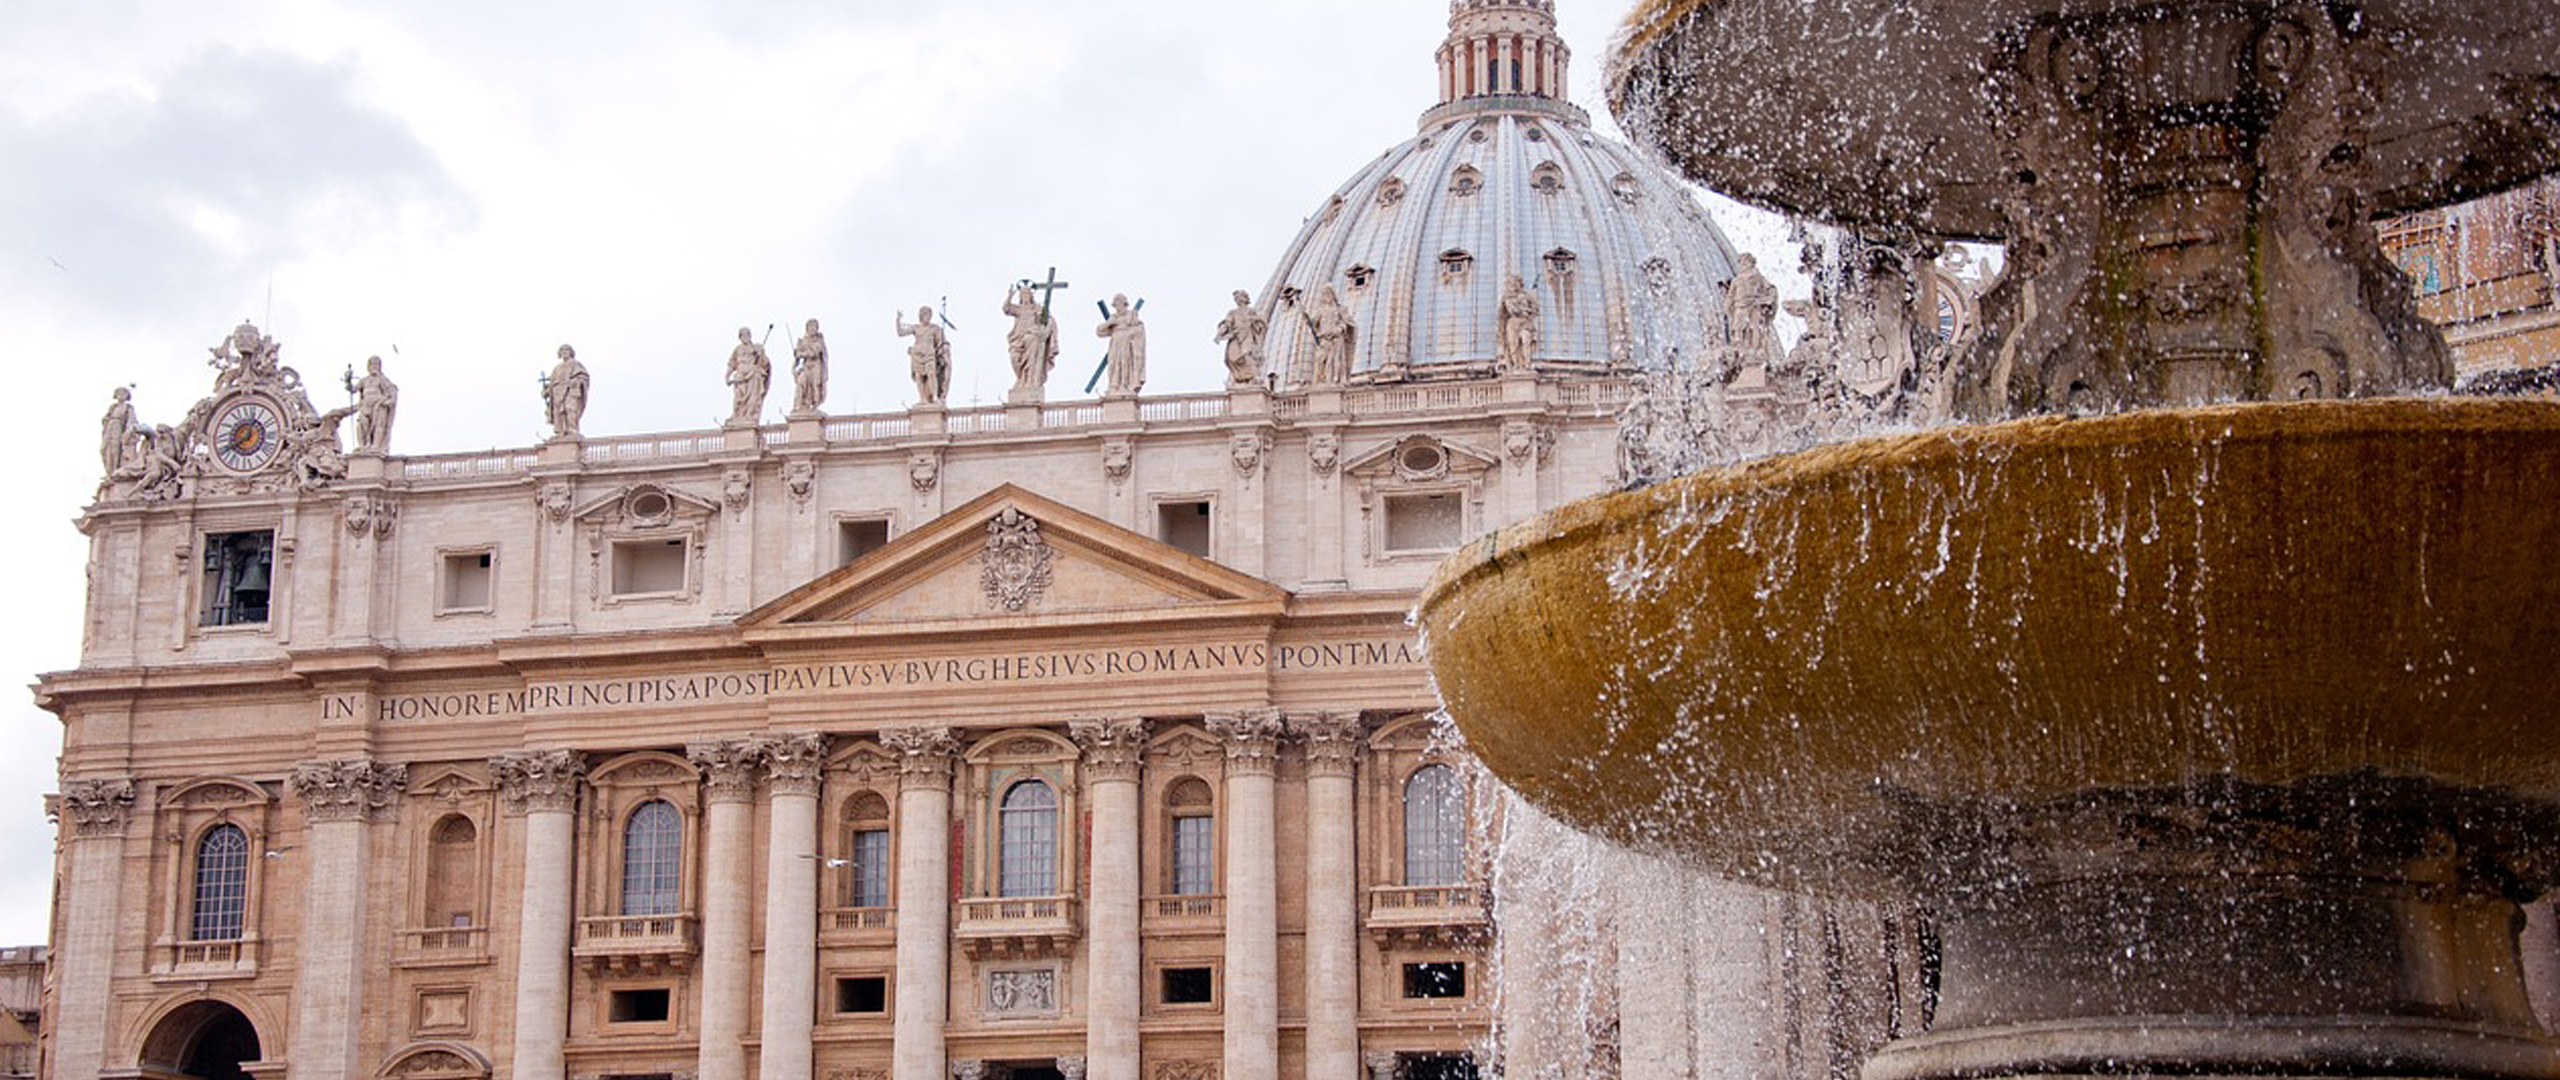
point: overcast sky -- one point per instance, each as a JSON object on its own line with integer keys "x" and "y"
{"x": 474, "y": 182}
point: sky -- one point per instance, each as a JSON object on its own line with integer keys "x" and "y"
{"x": 460, "y": 187}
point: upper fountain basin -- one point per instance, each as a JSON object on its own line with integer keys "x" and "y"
{"x": 1884, "y": 112}
{"x": 1768, "y": 667}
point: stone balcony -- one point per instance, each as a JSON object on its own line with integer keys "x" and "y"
{"x": 198, "y": 961}
{"x": 1016, "y": 927}
{"x": 858, "y": 926}
{"x": 638, "y": 944}
{"x": 1203, "y": 913}
{"x": 1430, "y": 915}
{"x": 442, "y": 946}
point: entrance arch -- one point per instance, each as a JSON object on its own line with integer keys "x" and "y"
{"x": 207, "y": 1039}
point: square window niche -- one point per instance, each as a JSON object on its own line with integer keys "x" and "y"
{"x": 1184, "y": 524}
{"x": 649, "y": 1006}
{"x": 1426, "y": 521}
{"x": 649, "y": 567}
{"x": 857, "y": 537}
{"x": 1438, "y": 979}
{"x": 862, "y": 995}
{"x": 466, "y": 581}
{"x": 1189, "y": 986}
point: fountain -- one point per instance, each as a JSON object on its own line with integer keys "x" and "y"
{"x": 2200, "y": 692}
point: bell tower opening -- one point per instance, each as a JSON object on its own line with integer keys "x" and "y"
{"x": 205, "y": 1039}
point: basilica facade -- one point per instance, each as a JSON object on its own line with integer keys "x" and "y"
{"x": 1058, "y": 738}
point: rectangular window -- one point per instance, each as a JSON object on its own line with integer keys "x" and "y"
{"x": 1187, "y": 986}
{"x": 1426, "y": 522}
{"x": 1194, "y": 854}
{"x": 466, "y": 582}
{"x": 862, "y": 994}
{"x": 638, "y": 1006}
{"x": 857, "y": 537}
{"x": 647, "y": 567}
{"x": 238, "y": 569}
{"x": 1184, "y": 525}
{"x": 870, "y": 869}
{"x": 1445, "y": 979}
{"x": 1438, "y": 1067}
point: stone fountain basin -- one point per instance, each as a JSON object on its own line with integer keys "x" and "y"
{"x": 1767, "y": 668}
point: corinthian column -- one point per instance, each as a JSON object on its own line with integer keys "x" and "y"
{"x": 1111, "y": 749}
{"x": 92, "y": 813}
{"x": 541, "y": 786}
{"x": 729, "y": 794}
{"x": 1333, "y": 899}
{"x": 339, "y": 800}
{"x": 1253, "y": 904}
{"x": 790, "y": 905}
{"x": 924, "y": 898}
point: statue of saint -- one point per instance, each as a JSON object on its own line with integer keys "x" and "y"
{"x": 377, "y": 397}
{"x": 808, "y": 371}
{"x": 928, "y": 357}
{"x": 116, "y": 432}
{"x": 1127, "y": 357}
{"x": 1750, "y": 318}
{"x": 1331, "y": 324}
{"x": 750, "y": 375}
{"x": 564, "y": 394}
{"x": 1032, "y": 345}
{"x": 1516, "y": 327}
{"x": 1242, "y": 332}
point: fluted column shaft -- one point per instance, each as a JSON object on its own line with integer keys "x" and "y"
{"x": 1333, "y": 899}
{"x": 924, "y": 900}
{"x": 1253, "y": 902}
{"x": 92, "y": 813}
{"x": 1113, "y": 979}
{"x": 729, "y": 771}
{"x": 340, "y": 800}
{"x": 542, "y": 787}
{"x": 790, "y": 906}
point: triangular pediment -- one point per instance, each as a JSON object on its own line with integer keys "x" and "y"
{"x": 1013, "y": 554}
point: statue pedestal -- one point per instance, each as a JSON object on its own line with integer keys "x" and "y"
{"x": 807, "y": 427}
{"x": 561, "y": 450}
{"x": 1324, "y": 401}
{"x": 1021, "y": 416}
{"x": 735, "y": 436}
{"x": 1120, "y": 408}
{"x": 1248, "y": 400}
{"x": 925, "y": 418}
{"x": 1519, "y": 387}
{"x": 365, "y": 465}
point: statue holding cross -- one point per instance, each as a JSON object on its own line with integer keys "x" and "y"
{"x": 1032, "y": 344}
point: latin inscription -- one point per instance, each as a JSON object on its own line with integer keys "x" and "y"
{"x": 705, "y": 688}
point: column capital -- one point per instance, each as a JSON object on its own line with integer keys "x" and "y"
{"x": 729, "y": 768}
{"x": 347, "y": 789}
{"x": 1070, "y": 1068}
{"x": 969, "y": 1070}
{"x": 94, "y": 806}
{"x": 537, "y": 781}
{"x": 924, "y": 755}
{"x": 1252, "y": 738}
{"x": 1381, "y": 1063}
{"x": 791, "y": 762}
{"x": 1111, "y": 747}
{"x": 1332, "y": 740}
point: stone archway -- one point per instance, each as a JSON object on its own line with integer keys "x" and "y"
{"x": 207, "y": 1039}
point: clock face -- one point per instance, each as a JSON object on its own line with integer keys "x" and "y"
{"x": 246, "y": 435}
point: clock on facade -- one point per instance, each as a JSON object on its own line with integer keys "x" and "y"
{"x": 247, "y": 434}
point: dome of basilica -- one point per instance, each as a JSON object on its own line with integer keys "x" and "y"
{"x": 1504, "y": 180}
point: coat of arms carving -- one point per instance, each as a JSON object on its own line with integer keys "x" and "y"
{"x": 1014, "y": 569}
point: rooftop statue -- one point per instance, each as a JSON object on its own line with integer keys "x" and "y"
{"x": 1242, "y": 332}
{"x": 1127, "y": 358}
{"x": 1334, "y": 331}
{"x": 1750, "y": 318}
{"x": 564, "y": 394}
{"x": 1032, "y": 345}
{"x": 377, "y": 397}
{"x": 1516, "y": 327}
{"x": 116, "y": 431}
{"x": 928, "y": 357}
{"x": 808, "y": 371}
{"x": 750, "y": 376}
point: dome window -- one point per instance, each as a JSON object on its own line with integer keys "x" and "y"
{"x": 1359, "y": 276}
{"x": 1537, "y": 135}
{"x": 1657, "y": 273}
{"x": 1467, "y": 181}
{"x": 1391, "y": 192}
{"x": 1626, "y": 188}
{"x": 1547, "y": 179}
{"x": 1454, "y": 264}
{"x": 1560, "y": 262}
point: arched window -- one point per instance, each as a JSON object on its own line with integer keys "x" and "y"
{"x": 866, "y": 847}
{"x": 652, "y": 859}
{"x": 453, "y": 872}
{"x": 1027, "y": 861}
{"x": 222, "y": 885}
{"x": 1192, "y": 865}
{"x": 1435, "y": 827}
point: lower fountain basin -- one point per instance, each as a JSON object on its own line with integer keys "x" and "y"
{"x": 1775, "y": 669}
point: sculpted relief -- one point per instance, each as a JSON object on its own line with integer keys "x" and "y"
{"x": 256, "y": 433}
